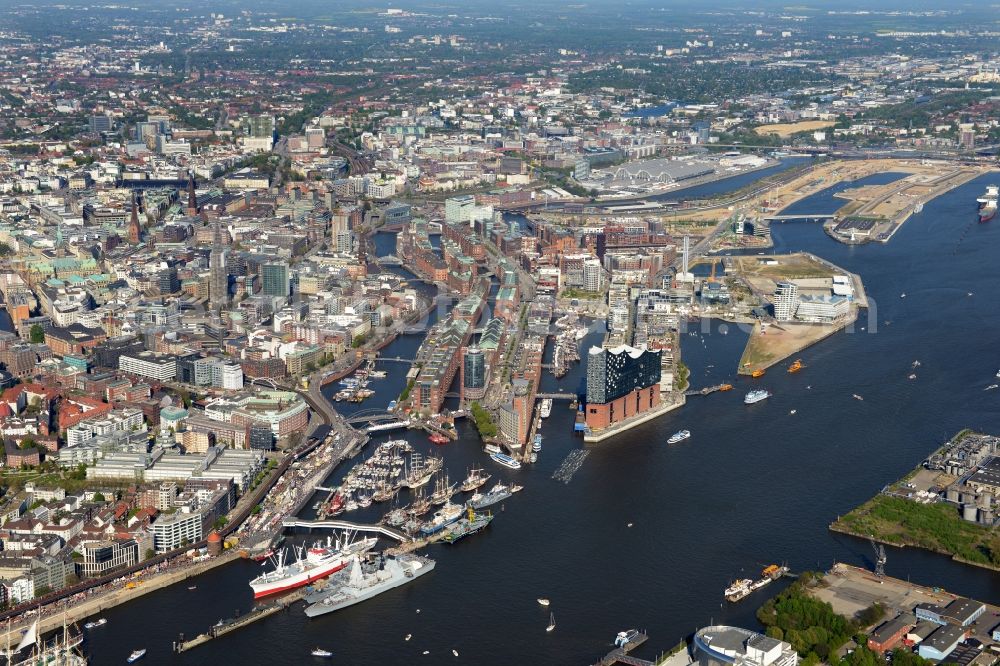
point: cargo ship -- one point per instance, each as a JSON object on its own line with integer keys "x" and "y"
{"x": 988, "y": 203}
{"x": 796, "y": 366}
{"x": 472, "y": 523}
{"x": 313, "y": 563}
{"x": 756, "y": 396}
{"x": 368, "y": 579}
{"x": 988, "y": 210}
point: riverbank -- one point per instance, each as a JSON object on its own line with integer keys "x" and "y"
{"x": 876, "y": 212}
{"x": 97, "y": 601}
{"x": 775, "y": 342}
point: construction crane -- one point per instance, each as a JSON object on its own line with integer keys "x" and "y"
{"x": 879, "y": 557}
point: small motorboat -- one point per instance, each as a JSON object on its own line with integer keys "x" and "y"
{"x": 96, "y": 623}
{"x": 454, "y": 652}
{"x": 192, "y": 587}
{"x": 543, "y": 602}
{"x": 136, "y": 655}
{"x": 679, "y": 436}
{"x": 903, "y": 295}
{"x": 912, "y": 375}
{"x": 552, "y": 622}
{"x": 408, "y": 637}
{"x": 793, "y": 411}
{"x": 320, "y": 652}
{"x": 856, "y": 396}
{"x": 991, "y": 387}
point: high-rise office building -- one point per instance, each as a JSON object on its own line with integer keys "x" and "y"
{"x": 218, "y": 279}
{"x": 274, "y": 279}
{"x": 473, "y": 374}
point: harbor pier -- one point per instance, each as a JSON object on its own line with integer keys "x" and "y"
{"x": 620, "y": 653}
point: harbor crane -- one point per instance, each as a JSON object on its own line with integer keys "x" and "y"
{"x": 879, "y": 557}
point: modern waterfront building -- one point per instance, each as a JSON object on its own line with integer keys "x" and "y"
{"x": 101, "y": 557}
{"x": 721, "y": 645}
{"x": 824, "y": 308}
{"x": 786, "y": 301}
{"x": 622, "y": 382}
{"x": 172, "y": 532}
{"x": 473, "y": 374}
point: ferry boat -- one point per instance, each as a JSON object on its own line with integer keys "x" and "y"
{"x": 536, "y": 444}
{"x": 97, "y": 623}
{"x": 314, "y": 563}
{"x": 756, "y": 396}
{"x": 493, "y": 448}
{"x": 505, "y": 460}
{"x": 679, "y": 436}
{"x": 546, "y": 408}
{"x": 443, "y": 517}
{"x": 796, "y": 366}
{"x": 725, "y": 387}
{"x": 759, "y": 372}
{"x": 136, "y": 655}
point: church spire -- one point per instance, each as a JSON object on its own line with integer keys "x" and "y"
{"x": 192, "y": 205}
{"x": 134, "y": 231}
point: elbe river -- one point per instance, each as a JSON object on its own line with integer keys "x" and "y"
{"x": 753, "y": 485}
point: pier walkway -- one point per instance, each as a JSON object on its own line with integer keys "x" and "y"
{"x": 709, "y": 389}
{"x": 620, "y": 654}
{"x": 344, "y": 525}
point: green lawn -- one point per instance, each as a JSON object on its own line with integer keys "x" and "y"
{"x": 937, "y": 527}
